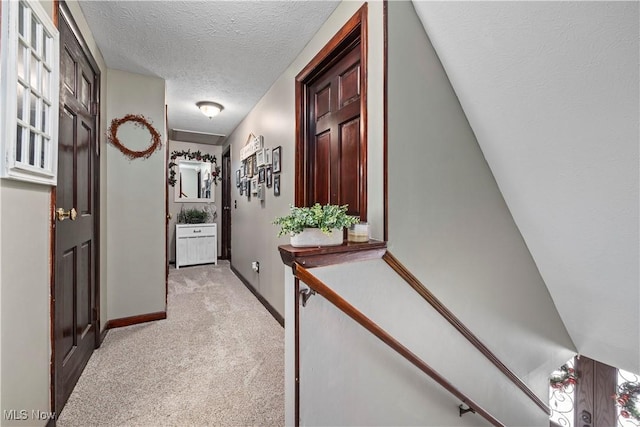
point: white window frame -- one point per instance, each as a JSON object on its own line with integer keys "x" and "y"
{"x": 10, "y": 166}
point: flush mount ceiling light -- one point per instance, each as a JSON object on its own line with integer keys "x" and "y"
{"x": 209, "y": 109}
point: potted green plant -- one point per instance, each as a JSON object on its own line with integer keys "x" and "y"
{"x": 316, "y": 225}
{"x": 192, "y": 216}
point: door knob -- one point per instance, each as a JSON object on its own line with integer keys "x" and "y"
{"x": 61, "y": 214}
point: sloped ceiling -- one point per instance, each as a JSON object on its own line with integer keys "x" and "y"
{"x": 551, "y": 90}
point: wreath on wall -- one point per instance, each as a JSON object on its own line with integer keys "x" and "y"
{"x": 628, "y": 399}
{"x": 140, "y": 121}
{"x": 564, "y": 377}
{"x": 189, "y": 155}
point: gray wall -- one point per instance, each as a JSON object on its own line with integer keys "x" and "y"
{"x": 174, "y": 208}
{"x": 253, "y": 235}
{"x": 448, "y": 222}
{"x": 135, "y": 201}
{"x": 24, "y": 314}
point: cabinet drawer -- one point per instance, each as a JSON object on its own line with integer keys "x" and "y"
{"x": 196, "y": 230}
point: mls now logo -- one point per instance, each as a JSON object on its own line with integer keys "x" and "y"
{"x": 16, "y": 414}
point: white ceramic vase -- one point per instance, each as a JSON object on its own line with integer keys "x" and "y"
{"x": 312, "y": 237}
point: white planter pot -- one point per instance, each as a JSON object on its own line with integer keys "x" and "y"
{"x": 311, "y": 237}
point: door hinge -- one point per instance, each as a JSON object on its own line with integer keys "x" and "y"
{"x": 94, "y": 108}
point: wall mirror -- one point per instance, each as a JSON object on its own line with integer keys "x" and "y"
{"x": 195, "y": 181}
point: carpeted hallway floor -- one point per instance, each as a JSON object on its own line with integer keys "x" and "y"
{"x": 217, "y": 360}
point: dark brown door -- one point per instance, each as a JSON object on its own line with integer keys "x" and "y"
{"x": 331, "y": 122}
{"x": 226, "y": 205}
{"x": 336, "y": 163}
{"x": 75, "y": 308}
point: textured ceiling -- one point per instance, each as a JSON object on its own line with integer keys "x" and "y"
{"x": 551, "y": 90}
{"x": 222, "y": 51}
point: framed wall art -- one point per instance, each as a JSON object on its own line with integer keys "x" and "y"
{"x": 238, "y": 178}
{"x": 260, "y": 157}
{"x": 254, "y": 164}
{"x": 249, "y": 168}
{"x": 269, "y": 177}
{"x": 277, "y": 159}
{"x": 261, "y": 175}
{"x": 267, "y": 156}
{"x": 276, "y": 185}
{"x": 254, "y": 185}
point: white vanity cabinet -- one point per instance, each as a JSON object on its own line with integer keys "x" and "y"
{"x": 196, "y": 244}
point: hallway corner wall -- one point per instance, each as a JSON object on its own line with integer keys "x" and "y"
{"x": 135, "y": 213}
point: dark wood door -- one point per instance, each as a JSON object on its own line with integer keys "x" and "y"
{"x": 226, "y": 205}
{"x": 75, "y": 308}
{"x": 337, "y": 153}
{"x": 597, "y": 382}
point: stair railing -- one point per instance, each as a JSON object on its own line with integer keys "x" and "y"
{"x": 319, "y": 287}
{"x": 413, "y": 281}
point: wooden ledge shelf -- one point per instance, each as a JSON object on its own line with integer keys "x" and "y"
{"x": 330, "y": 255}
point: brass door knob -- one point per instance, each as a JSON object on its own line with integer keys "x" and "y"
{"x": 61, "y": 214}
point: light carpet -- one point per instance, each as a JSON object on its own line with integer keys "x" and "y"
{"x": 217, "y": 360}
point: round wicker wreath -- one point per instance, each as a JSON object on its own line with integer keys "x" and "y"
{"x": 628, "y": 398}
{"x": 140, "y": 121}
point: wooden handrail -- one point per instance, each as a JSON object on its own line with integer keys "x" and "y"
{"x": 413, "y": 281}
{"x": 319, "y": 287}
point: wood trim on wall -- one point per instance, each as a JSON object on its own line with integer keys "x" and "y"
{"x": 413, "y": 281}
{"x": 134, "y": 320}
{"x": 327, "y": 56}
{"x": 296, "y": 292}
{"x": 52, "y": 289}
{"x": 260, "y": 298}
{"x": 385, "y": 106}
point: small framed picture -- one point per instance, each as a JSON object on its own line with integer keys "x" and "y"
{"x": 276, "y": 185}
{"x": 254, "y": 163}
{"x": 238, "y": 178}
{"x": 249, "y": 172}
{"x": 267, "y": 156}
{"x": 261, "y": 175}
{"x": 260, "y": 192}
{"x": 243, "y": 168}
{"x": 247, "y": 189}
{"x": 241, "y": 188}
{"x": 269, "y": 178}
{"x": 260, "y": 157}
{"x": 254, "y": 185}
{"x": 276, "y": 159}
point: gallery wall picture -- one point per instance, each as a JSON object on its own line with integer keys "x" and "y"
{"x": 267, "y": 157}
{"x": 276, "y": 157}
{"x": 261, "y": 175}
{"x": 260, "y": 157}
{"x": 269, "y": 178}
{"x": 276, "y": 185}
{"x": 254, "y": 185}
{"x": 238, "y": 178}
{"x": 260, "y": 194}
